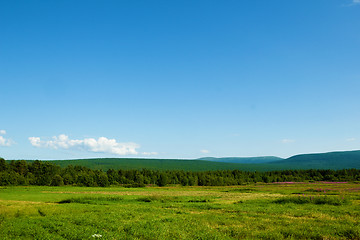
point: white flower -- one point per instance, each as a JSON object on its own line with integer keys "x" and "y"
{"x": 96, "y": 235}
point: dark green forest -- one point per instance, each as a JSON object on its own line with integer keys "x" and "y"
{"x": 45, "y": 173}
{"x": 331, "y": 160}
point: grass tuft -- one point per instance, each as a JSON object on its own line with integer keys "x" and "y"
{"x": 329, "y": 200}
{"x": 242, "y": 190}
{"x": 42, "y": 213}
{"x": 199, "y": 200}
{"x": 101, "y": 200}
{"x": 349, "y": 233}
{"x": 162, "y": 199}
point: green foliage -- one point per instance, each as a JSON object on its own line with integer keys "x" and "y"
{"x": 265, "y": 159}
{"x": 3, "y": 165}
{"x": 331, "y": 160}
{"x": 162, "y": 180}
{"x": 160, "y": 164}
{"x": 57, "y": 180}
{"x": 44, "y": 173}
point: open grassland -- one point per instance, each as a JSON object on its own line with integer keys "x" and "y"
{"x": 262, "y": 211}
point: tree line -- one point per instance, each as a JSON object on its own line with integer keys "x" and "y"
{"x": 44, "y": 173}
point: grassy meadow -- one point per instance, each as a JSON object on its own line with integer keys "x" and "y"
{"x": 261, "y": 211}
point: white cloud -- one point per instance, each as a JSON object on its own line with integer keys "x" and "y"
{"x": 287, "y": 141}
{"x": 102, "y": 144}
{"x": 35, "y": 141}
{"x": 356, "y": 1}
{"x": 204, "y": 151}
{"x": 6, "y": 142}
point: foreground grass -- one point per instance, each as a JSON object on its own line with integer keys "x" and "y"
{"x": 271, "y": 211}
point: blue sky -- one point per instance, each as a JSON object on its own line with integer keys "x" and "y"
{"x": 178, "y": 79}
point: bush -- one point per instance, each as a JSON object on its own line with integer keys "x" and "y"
{"x": 57, "y": 180}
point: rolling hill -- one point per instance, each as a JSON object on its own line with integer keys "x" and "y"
{"x": 330, "y": 160}
{"x": 265, "y": 159}
{"x": 160, "y": 164}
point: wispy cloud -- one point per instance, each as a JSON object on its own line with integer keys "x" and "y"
{"x": 286, "y": 141}
{"x": 149, "y": 153}
{"x": 102, "y": 144}
{"x": 204, "y": 151}
{"x": 351, "y": 139}
{"x": 4, "y": 141}
{"x": 352, "y": 3}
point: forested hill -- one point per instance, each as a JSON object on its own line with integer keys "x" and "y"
{"x": 330, "y": 160}
{"x": 45, "y": 173}
{"x": 265, "y": 159}
{"x": 161, "y": 164}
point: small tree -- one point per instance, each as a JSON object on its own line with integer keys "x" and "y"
{"x": 3, "y": 165}
{"x": 162, "y": 180}
{"x": 57, "y": 180}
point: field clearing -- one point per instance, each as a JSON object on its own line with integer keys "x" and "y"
{"x": 261, "y": 211}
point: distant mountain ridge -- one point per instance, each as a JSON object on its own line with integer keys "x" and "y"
{"x": 330, "y": 160}
{"x": 153, "y": 164}
{"x": 264, "y": 159}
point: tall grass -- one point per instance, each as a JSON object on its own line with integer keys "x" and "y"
{"x": 319, "y": 200}
{"x": 92, "y": 200}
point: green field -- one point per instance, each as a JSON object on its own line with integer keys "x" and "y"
{"x": 263, "y": 211}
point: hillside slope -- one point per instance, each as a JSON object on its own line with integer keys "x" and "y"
{"x": 162, "y": 164}
{"x": 330, "y": 160}
{"x": 255, "y": 160}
